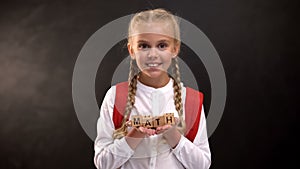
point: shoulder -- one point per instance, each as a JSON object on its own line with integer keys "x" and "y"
{"x": 191, "y": 93}
{"x": 118, "y": 91}
{"x": 190, "y": 88}
{"x": 118, "y": 86}
{"x": 122, "y": 86}
{"x": 110, "y": 95}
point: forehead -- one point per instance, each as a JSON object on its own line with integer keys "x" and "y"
{"x": 151, "y": 37}
{"x": 153, "y": 29}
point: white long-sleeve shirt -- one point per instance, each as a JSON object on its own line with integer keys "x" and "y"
{"x": 153, "y": 152}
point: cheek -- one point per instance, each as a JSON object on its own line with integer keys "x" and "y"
{"x": 140, "y": 60}
{"x": 140, "y": 56}
{"x": 166, "y": 56}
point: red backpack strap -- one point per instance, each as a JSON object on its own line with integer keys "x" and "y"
{"x": 120, "y": 103}
{"x": 193, "y": 106}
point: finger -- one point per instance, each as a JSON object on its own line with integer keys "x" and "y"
{"x": 150, "y": 132}
{"x": 166, "y": 127}
{"x": 141, "y": 129}
{"x": 146, "y": 131}
{"x": 159, "y": 132}
{"x": 128, "y": 124}
{"x": 162, "y": 129}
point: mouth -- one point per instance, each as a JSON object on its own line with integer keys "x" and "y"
{"x": 153, "y": 65}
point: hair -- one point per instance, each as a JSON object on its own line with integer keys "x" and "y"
{"x": 155, "y": 15}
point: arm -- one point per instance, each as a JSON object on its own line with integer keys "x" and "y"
{"x": 197, "y": 154}
{"x": 191, "y": 155}
{"x": 109, "y": 153}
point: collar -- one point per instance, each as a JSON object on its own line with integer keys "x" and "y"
{"x": 145, "y": 88}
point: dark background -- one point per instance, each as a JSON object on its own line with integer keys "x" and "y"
{"x": 258, "y": 43}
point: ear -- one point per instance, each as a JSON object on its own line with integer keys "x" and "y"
{"x": 130, "y": 50}
{"x": 176, "y": 50}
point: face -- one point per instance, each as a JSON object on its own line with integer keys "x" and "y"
{"x": 153, "y": 49}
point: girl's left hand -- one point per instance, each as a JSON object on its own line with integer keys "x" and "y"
{"x": 166, "y": 127}
{"x": 163, "y": 129}
{"x": 170, "y": 133}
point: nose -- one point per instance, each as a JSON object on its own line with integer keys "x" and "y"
{"x": 152, "y": 53}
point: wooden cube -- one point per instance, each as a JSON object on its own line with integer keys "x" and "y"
{"x": 147, "y": 121}
{"x": 169, "y": 118}
{"x": 158, "y": 121}
{"x": 136, "y": 120}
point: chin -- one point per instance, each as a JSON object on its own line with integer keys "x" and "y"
{"x": 155, "y": 73}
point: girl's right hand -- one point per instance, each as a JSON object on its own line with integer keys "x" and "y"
{"x": 136, "y": 135}
{"x": 141, "y": 130}
{"x": 147, "y": 131}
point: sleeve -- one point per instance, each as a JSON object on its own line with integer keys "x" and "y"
{"x": 109, "y": 153}
{"x": 197, "y": 154}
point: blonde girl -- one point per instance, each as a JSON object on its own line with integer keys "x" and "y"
{"x": 153, "y": 44}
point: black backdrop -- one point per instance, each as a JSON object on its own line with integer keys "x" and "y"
{"x": 39, "y": 43}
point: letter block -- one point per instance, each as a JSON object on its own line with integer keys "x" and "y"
{"x": 147, "y": 121}
{"x": 169, "y": 118}
{"x": 158, "y": 121}
{"x": 152, "y": 122}
{"x": 136, "y": 121}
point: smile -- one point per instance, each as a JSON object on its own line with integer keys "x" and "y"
{"x": 153, "y": 64}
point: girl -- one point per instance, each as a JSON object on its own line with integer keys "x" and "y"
{"x": 153, "y": 44}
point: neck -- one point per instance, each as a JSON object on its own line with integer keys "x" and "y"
{"x": 154, "y": 82}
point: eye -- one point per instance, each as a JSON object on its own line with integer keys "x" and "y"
{"x": 162, "y": 46}
{"x": 143, "y": 46}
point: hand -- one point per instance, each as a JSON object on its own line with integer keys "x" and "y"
{"x": 170, "y": 133}
{"x": 136, "y": 135}
{"x": 146, "y": 131}
{"x": 166, "y": 127}
{"x": 163, "y": 129}
{"x": 141, "y": 130}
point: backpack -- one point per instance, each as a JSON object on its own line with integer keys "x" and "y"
{"x": 193, "y": 106}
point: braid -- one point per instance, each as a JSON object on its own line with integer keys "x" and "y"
{"x": 177, "y": 94}
{"x": 132, "y": 81}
